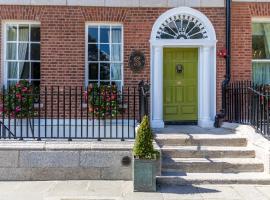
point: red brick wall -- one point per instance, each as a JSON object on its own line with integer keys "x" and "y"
{"x": 242, "y": 14}
{"x": 63, "y": 38}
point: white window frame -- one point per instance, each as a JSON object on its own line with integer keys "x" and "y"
{"x": 260, "y": 20}
{"x": 4, "y": 48}
{"x": 86, "y": 51}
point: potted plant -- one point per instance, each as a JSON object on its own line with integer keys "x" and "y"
{"x": 145, "y": 157}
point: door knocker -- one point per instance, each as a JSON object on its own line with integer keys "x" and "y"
{"x": 179, "y": 68}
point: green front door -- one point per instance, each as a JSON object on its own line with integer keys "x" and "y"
{"x": 180, "y": 74}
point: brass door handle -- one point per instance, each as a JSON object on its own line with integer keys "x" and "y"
{"x": 179, "y": 68}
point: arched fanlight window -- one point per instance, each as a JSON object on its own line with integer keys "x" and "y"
{"x": 182, "y": 26}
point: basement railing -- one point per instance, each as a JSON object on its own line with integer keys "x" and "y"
{"x": 70, "y": 112}
{"x": 247, "y": 103}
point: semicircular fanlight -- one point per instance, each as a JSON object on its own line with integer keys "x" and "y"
{"x": 182, "y": 27}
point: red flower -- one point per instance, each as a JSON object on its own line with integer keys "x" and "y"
{"x": 24, "y": 89}
{"x": 18, "y": 109}
{"x": 18, "y": 96}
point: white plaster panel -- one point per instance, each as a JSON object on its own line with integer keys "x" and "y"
{"x": 48, "y": 2}
{"x": 126, "y": 3}
{"x": 15, "y": 2}
{"x": 121, "y": 3}
{"x": 86, "y": 2}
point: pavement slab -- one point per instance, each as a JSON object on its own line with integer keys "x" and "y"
{"x": 122, "y": 190}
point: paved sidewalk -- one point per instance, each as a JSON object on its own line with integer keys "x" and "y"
{"x": 122, "y": 190}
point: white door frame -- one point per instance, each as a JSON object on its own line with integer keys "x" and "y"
{"x": 206, "y": 68}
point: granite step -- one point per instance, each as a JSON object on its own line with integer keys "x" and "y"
{"x": 212, "y": 165}
{"x": 256, "y": 178}
{"x": 200, "y": 140}
{"x": 207, "y": 152}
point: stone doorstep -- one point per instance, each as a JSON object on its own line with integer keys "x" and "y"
{"x": 214, "y": 178}
{"x": 212, "y": 165}
{"x": 207, "y": 152}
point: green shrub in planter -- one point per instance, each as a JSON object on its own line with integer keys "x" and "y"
{"x": 145, "y": 156}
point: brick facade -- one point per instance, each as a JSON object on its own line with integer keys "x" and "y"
{"x": 242, "y": 14}
{"x": 63, "y": 38}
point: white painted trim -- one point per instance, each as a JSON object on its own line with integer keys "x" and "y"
{"x": 118, "y": 3}
{"x": 260, "y": 19}
{"x": 261, "y": 61}
{"x": 206, "y": 69}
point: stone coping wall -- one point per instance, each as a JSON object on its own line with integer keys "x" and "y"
{"x": 260, "y": 144}
{"x": 61, "y": 160}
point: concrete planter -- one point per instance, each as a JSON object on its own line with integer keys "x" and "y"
{"x": 144, "y": 175}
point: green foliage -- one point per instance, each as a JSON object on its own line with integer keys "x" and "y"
{"x": 144, "y": 148}
{"x": 19, "y": 100}
{"x": 104, "y": 100}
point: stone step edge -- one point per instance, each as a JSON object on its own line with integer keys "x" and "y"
{"x": 217, "y": 178}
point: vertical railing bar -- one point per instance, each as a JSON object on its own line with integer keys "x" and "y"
{"x": 9, "y": 103}
{"x": 134, "y": 111}
{"x": 99, "y": 110}
{"x": 46, "y": 111}
{"x": 64, "y": 111}
{"x": 52, "y": 93}
{"x": 128, "y": 111}
{"x": 27, "y": 115}
{"x": 58, "y": 111}
{"x": 15, "y": 119}
{"x": 70, "y": 110}
{"x": 21, "y": 105}
{"x": 122, "y": 110}
{"x": 116, "y": 113}
{"x": 82, "y": 111}
{"x": 104, "y": 97}
{"x": 111, "y": 112}
{"x": 76, "y": 101}
{"x": 39, "y": 110}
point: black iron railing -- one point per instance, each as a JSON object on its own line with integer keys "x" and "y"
{"x": 72, "y": 113}
{"x": 247, "y": 103}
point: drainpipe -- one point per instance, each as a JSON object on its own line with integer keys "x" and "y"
{"x": 222, "y": 114}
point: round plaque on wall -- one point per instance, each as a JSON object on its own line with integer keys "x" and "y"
{"x": 137, "y": 61}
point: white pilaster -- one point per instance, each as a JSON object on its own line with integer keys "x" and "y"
{"x": 157, "y": 88}
{"x": 205, "y": 89}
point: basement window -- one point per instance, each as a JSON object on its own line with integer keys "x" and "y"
{"x": 261, "y": 52}
{"x": 22, "y": 53}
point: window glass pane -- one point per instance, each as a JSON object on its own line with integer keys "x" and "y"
{"x": 24, "y": 70}
{"x": 35, "y": 51}
{"x": 11, "y": 83}
{"x": 35, "y": 70}
{"x": 93, "y": 52}
{"x": 35, "y": 33}
{"x": 261, "y": 40}
{"x": 104, "y": 52}
{"x": 104, "y": 35}
{"x": 104, "y": 71}
{"x": 35, "y": 84}
{"x": 23, "y": 32}
{"x": 261, "y": 73}
{"x": 12, "y": 69}
{"x": 93, "y": 35}
{"x": 116, "y": 52}
{"x": 104, "y": 83}
{"x": 116, "y": 71}
{"x": 118, "y": 84}
{"x": 116, "y": 35}
{"x": 11, "y": 51}
{"x": 23, "y": 53}
{"x": 93, "y": 82}
{"x": 93, "y": 71}
{"x": 12, "y": 33}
